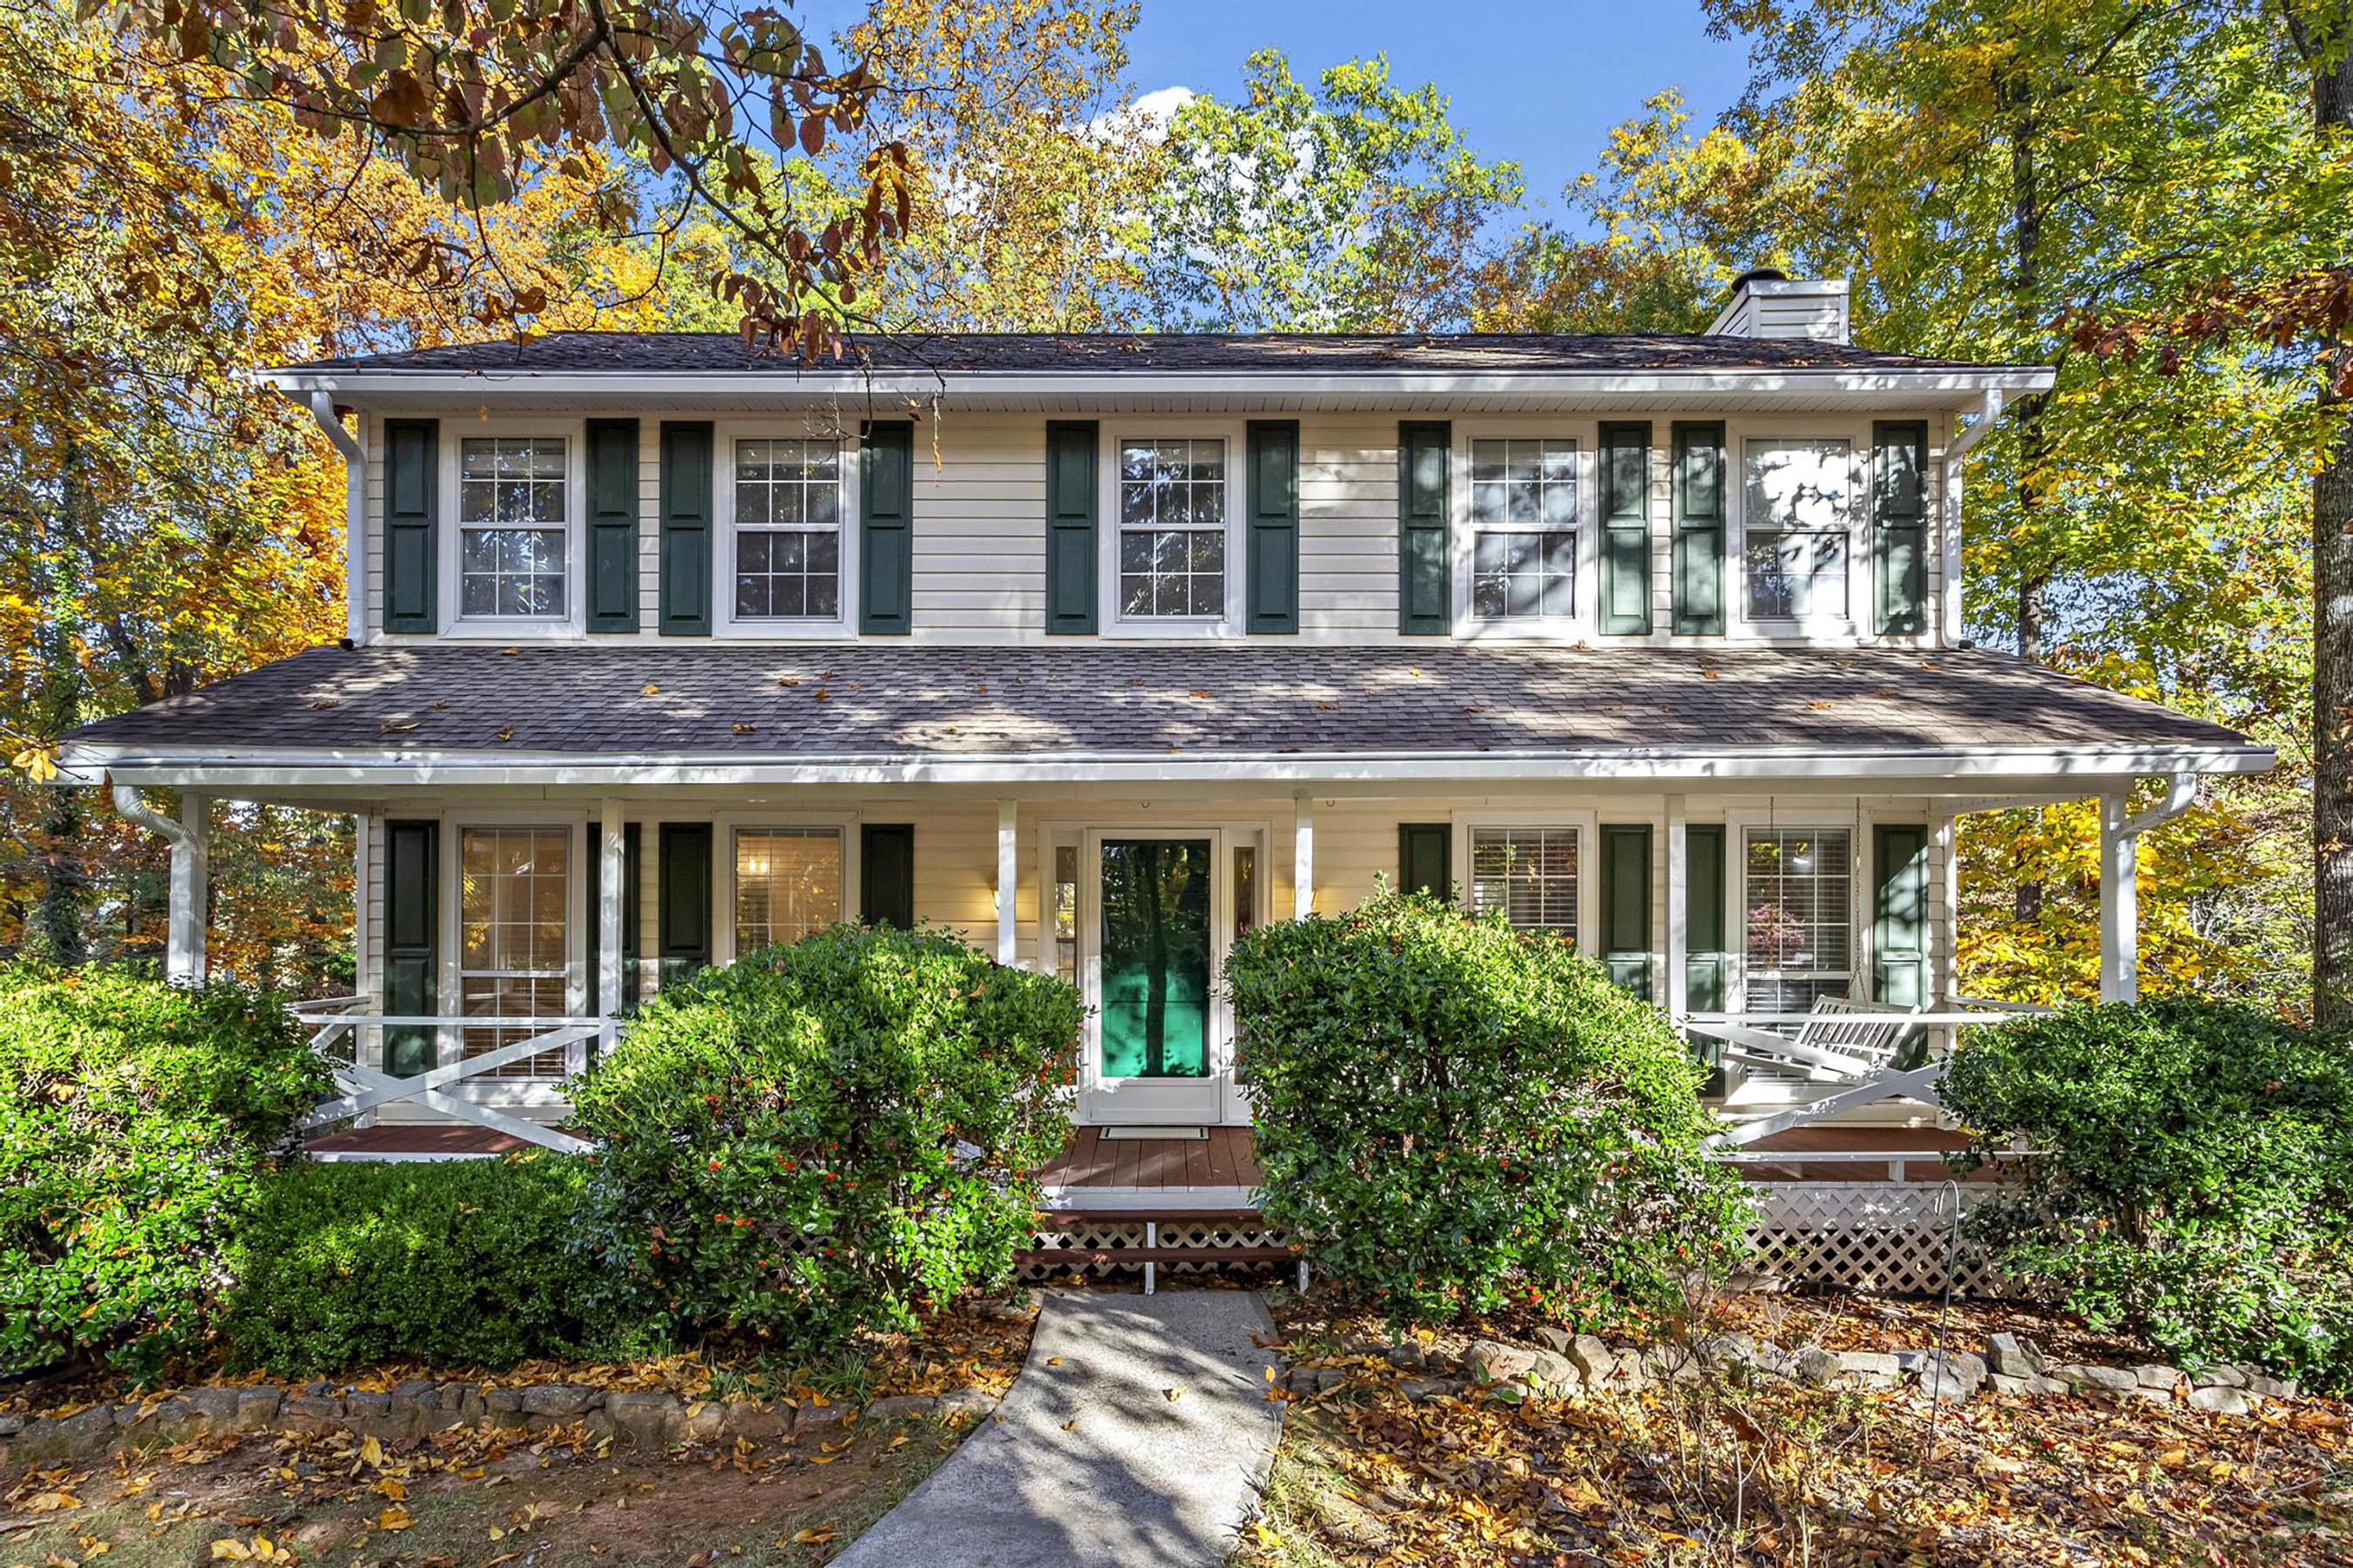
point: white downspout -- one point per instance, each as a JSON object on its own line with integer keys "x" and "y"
{"x": 2120, "y": 883}
{"x": 322, "y": 409}
{"x": 184, "y": 949}
{"x": 1949, "y": 487}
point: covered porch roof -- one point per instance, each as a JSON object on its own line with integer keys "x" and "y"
{"x": 640, "y": 713}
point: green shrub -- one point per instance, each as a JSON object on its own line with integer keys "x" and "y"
{"x": 807, "y": 1143}
{"x": 136, "y": 1120}
{"x": 457, "y": 1263}
{"x": 2189, "y": 1177}
{"x": 1452, "y": 1114}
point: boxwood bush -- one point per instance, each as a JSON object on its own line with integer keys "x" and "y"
{"x": 816, "y": 1139}
{"x": 1453, "y": 1114}
{"x": 2187, "y": 1179}
{"x": 457, "y": 1263}
{"x": 137, "y": 1121}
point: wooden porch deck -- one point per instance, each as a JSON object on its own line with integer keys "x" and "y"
{"x": 1219, "y": 1171}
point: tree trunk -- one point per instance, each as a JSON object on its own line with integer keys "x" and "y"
{"x": 2332, "y": 608}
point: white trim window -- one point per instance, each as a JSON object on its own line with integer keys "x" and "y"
{"x": 1174, "y": 515}
{"x": 788, "y": 883}
{"x": 788, "y": 503}
{"x": 1528, "y": 873}
{"x": 513, "y": 528}
{"x": 514, "y": 942}
{"x": 1798, "y": 507}
{"x": 1523, "y": 527}
{"x": 1798, "y": 924}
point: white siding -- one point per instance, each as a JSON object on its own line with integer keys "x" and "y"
{"x": 979, "y": 535}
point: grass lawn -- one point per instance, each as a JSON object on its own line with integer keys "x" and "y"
{"x": 470, "y": 1500}
{"x": 1776, "y": 1474}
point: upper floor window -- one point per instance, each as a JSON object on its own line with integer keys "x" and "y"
{"x": 1799, "y": 516}
{"x": 512, "y": 531}
{"x": 1172, "y": 530}
{"x": 787, "y": 497}
{"x": 1522, "y": 529}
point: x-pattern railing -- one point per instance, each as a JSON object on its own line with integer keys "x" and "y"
{"x": 364, "y": 1089}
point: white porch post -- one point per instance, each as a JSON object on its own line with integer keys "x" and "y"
{"x": 2119, "y": 903}
{"x": 612, "y": 874}
{"x": 1009, "y": 879}
{"x": 1678, "y": 908}
{"x": 1302, "y": 856}
{"x": 191, "y": 875}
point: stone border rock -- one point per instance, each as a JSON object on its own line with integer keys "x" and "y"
{"x": 418, "y": 1407}
{"x": 1572, "y": 1366}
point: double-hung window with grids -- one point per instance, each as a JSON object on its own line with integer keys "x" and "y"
{"x": 1173, "y": 512}
{"x": 1524, "y": 529}
{"x": 788, "y": 530}
{"x": 513, "y": 528}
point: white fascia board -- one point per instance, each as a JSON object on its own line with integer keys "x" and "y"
{"x": 282, "y": 769}
{"x": 393, "y": 387}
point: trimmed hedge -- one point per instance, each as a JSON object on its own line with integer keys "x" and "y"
{"x": 456, "y": 1263}
{"x": 1453, "y": 1114}
{"x": 809, "y": 1142}
{"x": 2190, "y": 1179}
{"x": 136, "y": 1122}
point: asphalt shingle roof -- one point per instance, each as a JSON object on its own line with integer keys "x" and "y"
{"x": 1305, "y": 353}
{"x": 813, "y": 701}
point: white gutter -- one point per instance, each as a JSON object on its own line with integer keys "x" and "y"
{"x": 184, "y": 953}
{"x": 1400, "y": 386}
{"x": 321, "y": 404}
{"x": 287, "y": 768}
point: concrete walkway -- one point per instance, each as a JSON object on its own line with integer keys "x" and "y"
{"x": 1087, "y": 1460}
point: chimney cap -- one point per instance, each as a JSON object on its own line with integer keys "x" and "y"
{"x": 1759, "y": 275}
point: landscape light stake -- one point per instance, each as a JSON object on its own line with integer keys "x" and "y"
{"x": 1944, "y": 1313}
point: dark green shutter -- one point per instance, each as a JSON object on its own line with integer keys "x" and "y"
{"x": 1273, "y": 594}
{"x": 886, "y": 528}
{"x": 612, "y": 525}
{"x": 1626, "y": 905}
{"x": 412, "y": 519}
{"x": 1626, "y": 527}
{"x": 1899, "y": 920}
{"x": 1426, "y": 857}
{"x": 1900, "y": 525}
{"x": 686, "y": 528}
{"x": 682, "y": 902}
{"x": 886, "y": 874}
{"x": 632, "y": 874}
{"x": 412, "y": 943}
{"x": 1070, "y": 505}
{"x": 1705, "y": 960}
{"x": 1425, "y": 551}
{"x": 1699, "y": 529}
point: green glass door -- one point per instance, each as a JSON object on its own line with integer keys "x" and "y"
{"x": 1155, "y": 957}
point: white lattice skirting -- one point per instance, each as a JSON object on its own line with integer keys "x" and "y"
{"x": 1866, "y": 1235}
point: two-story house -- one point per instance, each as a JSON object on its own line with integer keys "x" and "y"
{"x": 1101, "y": 649}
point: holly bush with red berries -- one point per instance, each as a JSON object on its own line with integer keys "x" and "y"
{"x": 1456, "y": 1116}
{"x": 820, "y": 1140}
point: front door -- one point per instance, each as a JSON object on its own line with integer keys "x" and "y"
{"x": 1155, "y": 939}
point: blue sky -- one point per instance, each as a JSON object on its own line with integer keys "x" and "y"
{"x": 1541, "y": 83}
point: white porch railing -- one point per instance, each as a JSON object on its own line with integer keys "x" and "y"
{"x": 1851, "y": 1049}
{"x": 338, "y": 1036}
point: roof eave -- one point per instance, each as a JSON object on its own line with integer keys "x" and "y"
{"x": 1959, "y": 387}
{"x": 263, "y": 767}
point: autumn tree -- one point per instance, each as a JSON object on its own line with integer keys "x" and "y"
{"x": 1354, "y": 206}
{"x": 1979, "y": 173}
